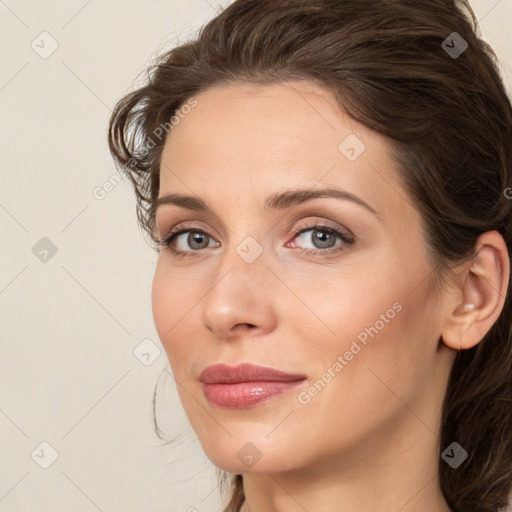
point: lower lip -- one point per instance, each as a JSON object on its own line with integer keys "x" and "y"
{"x": 245, "y": 394}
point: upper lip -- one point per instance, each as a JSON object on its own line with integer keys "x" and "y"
{"x": 224, "y": 374}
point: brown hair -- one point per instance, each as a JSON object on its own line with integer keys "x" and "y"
{"x": 396, "y": 67}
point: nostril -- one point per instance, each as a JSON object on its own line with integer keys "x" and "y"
{"x": 241, "y": 326}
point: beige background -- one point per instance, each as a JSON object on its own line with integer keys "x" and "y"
{"x": 69, "y": 325}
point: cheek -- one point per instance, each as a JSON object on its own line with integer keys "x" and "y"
{"x": 361, "y": 386}
{"x": 384, "y": 347}
{"x": 372, "y": 319}
{"x": 172, "y": 306}
{"x": 338, "y": 307}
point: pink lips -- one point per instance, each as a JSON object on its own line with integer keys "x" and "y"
{"x": 245, "y": 385}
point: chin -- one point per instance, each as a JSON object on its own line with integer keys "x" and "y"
{"x": 249, "y": 457}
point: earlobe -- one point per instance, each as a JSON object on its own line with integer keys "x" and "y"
{"x": 483, "y": 285}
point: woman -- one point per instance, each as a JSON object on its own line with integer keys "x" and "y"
{"x": 328, "y": 187}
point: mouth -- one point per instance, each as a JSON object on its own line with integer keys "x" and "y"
{"x": 246, "y": 385}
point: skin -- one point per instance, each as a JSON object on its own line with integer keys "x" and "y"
{"x": 368, "y": 440}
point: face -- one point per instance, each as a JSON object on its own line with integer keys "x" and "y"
{"x": 333, "y": 289}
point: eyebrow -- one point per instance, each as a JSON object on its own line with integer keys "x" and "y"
{"x": 276, "y": 201}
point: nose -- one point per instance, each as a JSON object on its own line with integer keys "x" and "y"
{"x": 240, "y": 300}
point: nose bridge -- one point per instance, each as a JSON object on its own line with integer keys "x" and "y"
{"x": 244, "y": 253}
{"x": 240, "y": 292}
{"x": 242, "y": 268}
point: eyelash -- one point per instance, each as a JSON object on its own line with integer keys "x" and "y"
{"x": 347, "y": 239}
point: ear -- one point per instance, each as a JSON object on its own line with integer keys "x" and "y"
{"x": 476, "y": 302}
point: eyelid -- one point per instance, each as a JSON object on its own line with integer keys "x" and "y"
{"x": 192, "y": 224}
{"x": 345, "y": 235}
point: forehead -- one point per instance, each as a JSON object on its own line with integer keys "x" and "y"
{"x": 253, "y": 139}
{"x": 242, "y": 119}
